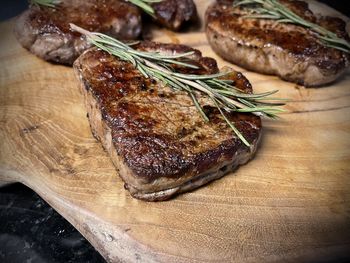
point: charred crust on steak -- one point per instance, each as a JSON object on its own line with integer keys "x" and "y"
{"x": 283, "y": 43}
{"x": 160, "y": 136}
{"x": 175, "y": 14}
{"x": 46, "y": 31}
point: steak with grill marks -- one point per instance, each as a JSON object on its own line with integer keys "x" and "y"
{"x": 292, "y": 52}
{"x": 45, "y": 31}
{"x": 154, "y": 135}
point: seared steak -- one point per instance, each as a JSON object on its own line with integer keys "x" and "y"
{"x": 45, "y": 31}
{"x": 291, "y": 52}
{"x": 174, "y": 14}
{"x": 155, "y": 136}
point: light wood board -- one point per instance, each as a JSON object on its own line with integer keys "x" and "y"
{"x": 290, "y": 203}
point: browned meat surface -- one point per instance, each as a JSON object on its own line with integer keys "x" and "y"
{"x": 291, "y": 52}
{"x": 175, "y": 14}
{"x": 45, "y": 31}
{"x": 155, "y": 137}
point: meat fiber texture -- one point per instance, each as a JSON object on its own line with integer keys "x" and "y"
{"x": 159, "y": 143}
{"x": 45, "y": 31}
{"x": 175, "y": 14}
{"x": 291, "y": 52}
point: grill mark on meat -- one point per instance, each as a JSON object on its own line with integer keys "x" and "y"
{"x": 266, "y": 46}
{"x": 46, "y": 32}
{"x": 158, "y": 154}
{"x": 160, "y": 112}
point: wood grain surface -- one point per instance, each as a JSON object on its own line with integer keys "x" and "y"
{"x": 290, "y": 203}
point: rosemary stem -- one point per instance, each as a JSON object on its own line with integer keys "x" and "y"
{"x": 213, "y": 88}
{"x": 273, "y": 9}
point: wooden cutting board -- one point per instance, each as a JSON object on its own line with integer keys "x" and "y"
{"x": 290, "y": 203}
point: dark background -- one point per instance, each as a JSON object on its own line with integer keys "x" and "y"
{"x": 30, "y": 230}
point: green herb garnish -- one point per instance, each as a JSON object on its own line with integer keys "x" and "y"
{"x": 145, "y": 5}
{"x": 273, "y": 9}
{"x": 160, "y": 67}
{"x": 46, "y": 3}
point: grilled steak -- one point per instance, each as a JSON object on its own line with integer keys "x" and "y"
{"x": 289, "y": 51}
{"x": 45, "y": 31}
{"x": 155, "y": 137}
{"x": 174, "y": 14}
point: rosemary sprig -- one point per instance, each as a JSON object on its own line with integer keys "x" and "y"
{"x": 220, "y": 91}
{"x": 46, "y": 3}
{"x": 273, "y": 9}
{"x": 145, "y": 5}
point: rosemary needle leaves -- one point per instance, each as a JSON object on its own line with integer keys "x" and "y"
{"x": 46, "y": 3}
{"x": 145, "y": 5}
{"x": 160, "y": 67}
{"x": 273, "y": 9}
